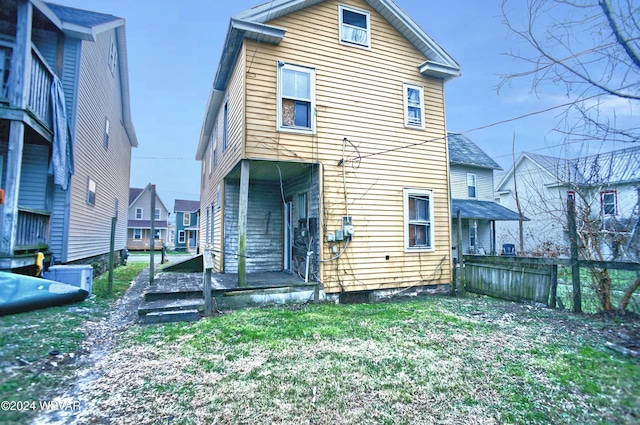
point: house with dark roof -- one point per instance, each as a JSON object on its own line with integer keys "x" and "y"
{"x": 143, "y": 208}
{"x": 323, "y": 148}
{"x": 66, "y": 133}
{"x": 187, "y": 214}
{"x": 472, "y": 198}
{"x": 606, "y": 191}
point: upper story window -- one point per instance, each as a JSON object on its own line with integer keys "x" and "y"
{"x": 609, "y": 202}
{"x": 105, "y": 141}
{"x": 296, "y": 98}
{"x": 413, "y": 105}
{"x": 91, "y": 191}
{"x": 186, "y": 219}
{"x": 113, "y": 57}
{"x": 355, "y": 26}
{"x": 225, "y": 125}
{"x": 418, "y": 227}
{"x": 138, "y": 213}
{"x": 472, "y": 191}
{"x": 157, "y": 214}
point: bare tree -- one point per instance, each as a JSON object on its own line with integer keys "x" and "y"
{"x": 591, "y": 50}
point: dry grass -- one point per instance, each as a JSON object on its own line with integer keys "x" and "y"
{"x": 436, "y": 360}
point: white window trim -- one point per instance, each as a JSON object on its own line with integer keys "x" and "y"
{"x": 137, "y": 234}
{"x": 312, "y": 83}
{"x": 113, "y": 57}
{"x": 341, "y": 8}
{"x": 418, "y": 192}
{"x": 186, "y": 219}
{"x": 159, "y": 214}
{"x": 407, "y": 124}
{"x": 181, "y": 236}
{"x": 141, "y": 213}
{"x": 475, "y": 185}
{"x": 92, "y": 188}
{"x": 604, "y": 193}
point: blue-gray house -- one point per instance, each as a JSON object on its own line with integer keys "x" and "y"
{"x": 187, "y": 224}
{"x": 66, "y": 133}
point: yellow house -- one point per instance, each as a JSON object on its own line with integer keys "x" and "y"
{"x": 324, "y": 150}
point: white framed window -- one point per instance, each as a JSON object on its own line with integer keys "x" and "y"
{"x": 181, "y": 237}
{"x": 137, "y": 233}
{"x": 105, "y": 141}
{"x": 156, "y": 234}
{"x": 355, "y": 26}
{"x": 473, "y": 235}
{"x": 296, "y": 98}
{"x": 157, "y": 214}
{"x": 418, "y": 220}
{"x": 113, "y": 57}
{"x": 186, "y": 219}
{"x": 138, "y": 213}
{"x": 609, "y": 202}
{"x": 219, "y": 196}
{"x": 413, "y": 105}
{"x": 472, "y": 191}
{"x": 225, "y": 125}
{"x": 91, "y": 191}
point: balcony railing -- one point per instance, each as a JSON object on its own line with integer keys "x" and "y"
{"x": 5, "y": 66}
{"x": 40, "y": 88}
{"x": 39, "y": 99}
{"x": 33, "y": 230}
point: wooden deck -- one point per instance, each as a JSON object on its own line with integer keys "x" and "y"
{"x": 181, "y": 291}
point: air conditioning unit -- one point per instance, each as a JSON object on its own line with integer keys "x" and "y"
{"x": 80, "y": 276}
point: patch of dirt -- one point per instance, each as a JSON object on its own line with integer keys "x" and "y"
{"x": 100, "y": 340}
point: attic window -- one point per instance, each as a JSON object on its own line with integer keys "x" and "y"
{"x": 113, "y": 57}
{"x": 354, "y": 26}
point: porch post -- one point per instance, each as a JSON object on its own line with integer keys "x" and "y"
{"x": 242, "y": 223}
{"x": 18, "y": 83}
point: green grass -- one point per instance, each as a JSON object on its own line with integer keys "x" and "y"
{"x": 620, "y": 281}
{"x": 28, "y": 371}
{"x": 433, "y": 360}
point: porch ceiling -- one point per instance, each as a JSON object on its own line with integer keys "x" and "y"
{"x": 268, "y": 170}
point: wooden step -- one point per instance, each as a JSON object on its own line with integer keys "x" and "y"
{"x": 169, "y": 305}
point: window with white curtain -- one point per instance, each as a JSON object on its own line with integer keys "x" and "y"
{"x": 413, "y": 105}
{"x": 355, "y": 26}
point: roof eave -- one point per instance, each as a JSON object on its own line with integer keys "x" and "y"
{"x": 439, "y": 70}
{"x": 239, "y": 29}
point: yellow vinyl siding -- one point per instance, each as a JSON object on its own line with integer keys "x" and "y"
{"x": 226, "y": 160}
{"x": 371, "y": 115}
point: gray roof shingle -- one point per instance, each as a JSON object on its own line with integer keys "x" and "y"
{"x": 183, "y": 205}
{"x": 462, "y": 151}
{"x": 84, "y": 18}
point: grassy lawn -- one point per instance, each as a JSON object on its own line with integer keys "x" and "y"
{"x": 429, "y": 360}
{"x": 29, "y": 372}
{"x": 620, "y": 281}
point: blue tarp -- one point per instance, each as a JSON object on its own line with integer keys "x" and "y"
{"x": 61, "y": 165}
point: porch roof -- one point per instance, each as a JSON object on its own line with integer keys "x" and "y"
{"x": 487, "y": 210}
{"x": 146, "y": 224}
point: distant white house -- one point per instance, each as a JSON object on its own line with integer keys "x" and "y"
{"x": 472, "y": 194}
{"x": 139, "y": 220}
{"x": 606, "y": 189}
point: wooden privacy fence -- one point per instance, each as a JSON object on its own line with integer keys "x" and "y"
{"x": 512, "y": 278}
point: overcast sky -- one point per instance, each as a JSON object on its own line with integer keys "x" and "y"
{"x": 174, "y": 47}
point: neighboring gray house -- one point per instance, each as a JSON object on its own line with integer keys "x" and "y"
{"x": 65, "y": 132}
{"x": 606, "y": 189}
{"x": 471, "y": 182}
{"x": 139, "y": 224}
